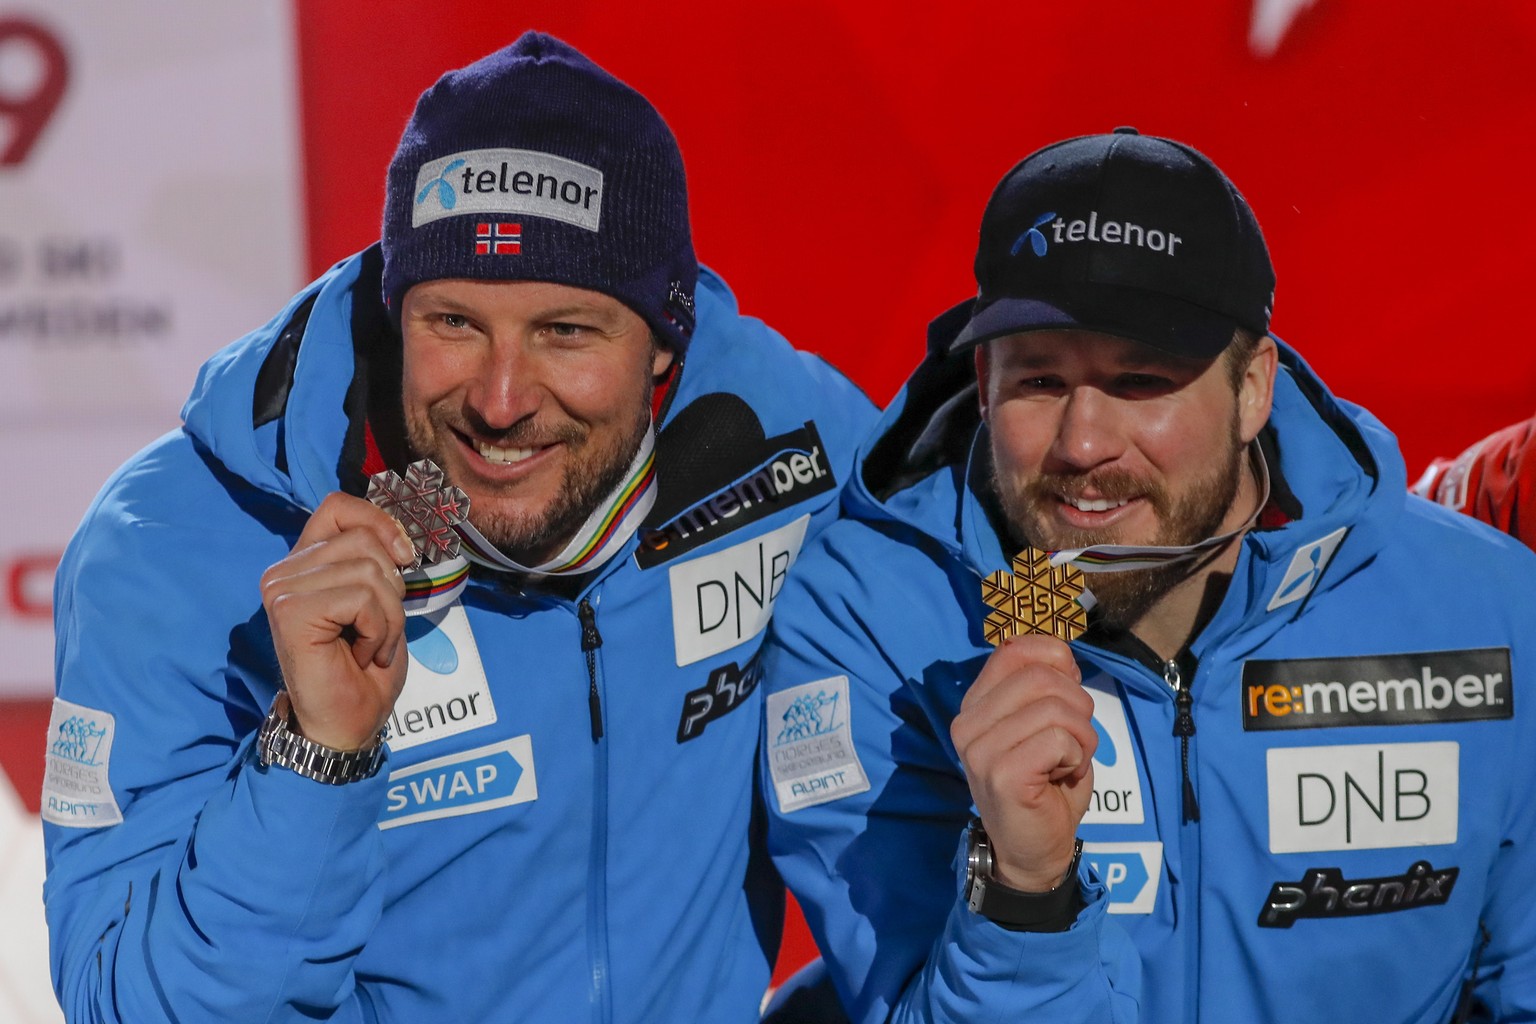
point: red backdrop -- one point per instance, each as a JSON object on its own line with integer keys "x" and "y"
{"x": 840, "y": 155}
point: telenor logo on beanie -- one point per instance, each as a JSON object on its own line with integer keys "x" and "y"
{"x": 522, "y": 181}
{"x": 574, "y": 176}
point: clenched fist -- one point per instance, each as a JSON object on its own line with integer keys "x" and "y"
{"x": 1026, "y": 739}
{"x": 335, "y": 606}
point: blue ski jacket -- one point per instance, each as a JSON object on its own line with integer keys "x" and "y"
{"x": 565, "y": 828}
{"x": 1359, "y": 841}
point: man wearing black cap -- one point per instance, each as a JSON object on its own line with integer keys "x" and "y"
{"x": 1133, "y": 684}
{"x": 413, "y": 679}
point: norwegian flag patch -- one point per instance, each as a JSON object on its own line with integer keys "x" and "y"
{"x": 498, "y": 239}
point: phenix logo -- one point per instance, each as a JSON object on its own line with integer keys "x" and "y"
{"x": 1115, "y": 232}
{"x": 1324, "y": 892}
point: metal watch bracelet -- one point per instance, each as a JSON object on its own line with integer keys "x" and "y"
{"x": 277, "y": 744}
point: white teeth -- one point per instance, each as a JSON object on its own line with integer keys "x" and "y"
{"x": 1097, "y": 505}
{"x": 490, "y": 453}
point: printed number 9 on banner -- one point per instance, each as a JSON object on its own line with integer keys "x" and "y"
{"x": 30, "y": 52}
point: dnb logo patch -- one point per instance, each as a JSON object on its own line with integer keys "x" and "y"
{"x": 476, "y": 780}
{"x": 811, "y": 755}
{"x": 1378, "y": 689}
{"x": 726, "y": 598}
{"x": 1363, "y": 796}
{"x": 446, "y": 691}
{"x": 1130, "y": 871}
{"x": 75, "y": 788}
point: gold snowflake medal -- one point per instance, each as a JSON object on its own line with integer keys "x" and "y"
{"x": 1037, "y": 597}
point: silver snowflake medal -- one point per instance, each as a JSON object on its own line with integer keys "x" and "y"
{"x": 428, "y": 508}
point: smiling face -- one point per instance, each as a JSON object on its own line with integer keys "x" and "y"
{"x": 1101, "y": 440}
{"x": 532, "y": 397}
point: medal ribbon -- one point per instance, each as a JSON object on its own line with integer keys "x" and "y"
{"x": 1125, "y": 557}
{"x": 602, "y": 536}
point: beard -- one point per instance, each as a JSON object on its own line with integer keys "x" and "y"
{"x": 595, "y": 470}
{"x": 1188, "y": 518}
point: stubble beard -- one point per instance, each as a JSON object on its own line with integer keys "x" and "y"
{"x": 533, "y": 536}
{"x": 1124, "y": 597}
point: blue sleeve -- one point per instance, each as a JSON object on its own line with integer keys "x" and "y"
{"x": 225, "y": 891}
{"x": 868, "y": 806}
{"x": 1506, "y": 959}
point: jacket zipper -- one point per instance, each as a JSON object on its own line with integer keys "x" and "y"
{"x": 1183, "y": 728}
{"x": 597, "y": 859}
{"x": 591, "y": 640}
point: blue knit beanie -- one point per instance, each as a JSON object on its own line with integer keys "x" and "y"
{"x": 535, "y": 164}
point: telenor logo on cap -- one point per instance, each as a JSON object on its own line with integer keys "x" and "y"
{"x": 522, "y": 181}
{"x": 1060, "y": 231}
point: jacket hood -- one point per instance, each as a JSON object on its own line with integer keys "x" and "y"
{"x": 1336, "y": 473}
{"x": 298, "y": 367}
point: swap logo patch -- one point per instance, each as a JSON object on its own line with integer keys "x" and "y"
{"x": 469, "y": 782}
{"x": 1130, "y": 871}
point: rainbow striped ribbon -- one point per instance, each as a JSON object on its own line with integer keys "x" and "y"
{"x": 435, "y": 586}
{"x": 1125, "y": 557}
{"x": 602, "y": 536}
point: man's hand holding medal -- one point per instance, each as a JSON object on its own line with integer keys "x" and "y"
{"x": 336, "y": 607}
{"x": 1025, "y": 729}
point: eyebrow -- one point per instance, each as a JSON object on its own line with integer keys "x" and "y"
{"x": 579, "y": 309}
{"x": 445, "y": 303}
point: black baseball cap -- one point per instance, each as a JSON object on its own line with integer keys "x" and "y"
{"x": 1126, "y": 234}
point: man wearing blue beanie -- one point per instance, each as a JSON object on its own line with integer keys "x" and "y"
{"x": 413, "y": 678}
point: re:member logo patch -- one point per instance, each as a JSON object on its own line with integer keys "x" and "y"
{"x": 789, "y": 469}
{"x": 1378, "y": 689}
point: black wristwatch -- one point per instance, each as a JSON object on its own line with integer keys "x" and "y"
{"x": 1014, "y": 909}
{"x": 278, "y": 744}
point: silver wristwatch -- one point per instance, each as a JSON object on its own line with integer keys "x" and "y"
{"x": 1049, "y": 911}
{"x": 278, "y": 744}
